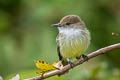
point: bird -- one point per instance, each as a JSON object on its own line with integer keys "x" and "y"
{"x": 73, "y": 39}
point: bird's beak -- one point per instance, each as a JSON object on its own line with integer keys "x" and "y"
{"x": 56, "y": 25}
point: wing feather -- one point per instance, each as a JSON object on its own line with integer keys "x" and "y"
{"x": 58, "y": 47}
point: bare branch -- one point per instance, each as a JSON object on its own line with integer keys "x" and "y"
{"x": 78, "y": 62}
{"x": 116, "y": 34}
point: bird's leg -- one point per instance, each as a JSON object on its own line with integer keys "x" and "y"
{"x": 69, "y": 62}
{"x": 71, "y": 65}
{"x": 85, "y": 57}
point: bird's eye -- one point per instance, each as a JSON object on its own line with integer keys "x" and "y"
{"x": 68, "y": 23}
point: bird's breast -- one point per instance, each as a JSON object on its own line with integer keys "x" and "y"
{"x": 73, "y": 43}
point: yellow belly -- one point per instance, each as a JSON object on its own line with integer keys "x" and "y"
{"x": 73, "y": 49}
{"x": 75, "y": 46}
{"x": 73, "y": 43}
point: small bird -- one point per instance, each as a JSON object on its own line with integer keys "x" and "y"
{"x": 73, "y": 38}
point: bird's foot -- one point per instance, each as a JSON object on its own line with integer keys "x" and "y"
{"x": 69, "y": 62}
{"x": 85, "y": 57}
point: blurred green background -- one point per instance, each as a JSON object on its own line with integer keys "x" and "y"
{"x": 26, "y": 35}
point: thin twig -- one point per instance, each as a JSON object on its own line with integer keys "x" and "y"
{"x": 116, "y": 34}
{"x": 78, "y": 62}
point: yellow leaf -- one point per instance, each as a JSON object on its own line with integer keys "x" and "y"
{"x": 44, "y": 66}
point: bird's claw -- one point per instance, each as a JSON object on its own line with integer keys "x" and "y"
{"x": 85, "y": 57}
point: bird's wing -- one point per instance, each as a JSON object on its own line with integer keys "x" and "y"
{"x": 58, "y": 50}
{"x": 58, "y": 46}
{"x": 59, "y": 37}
